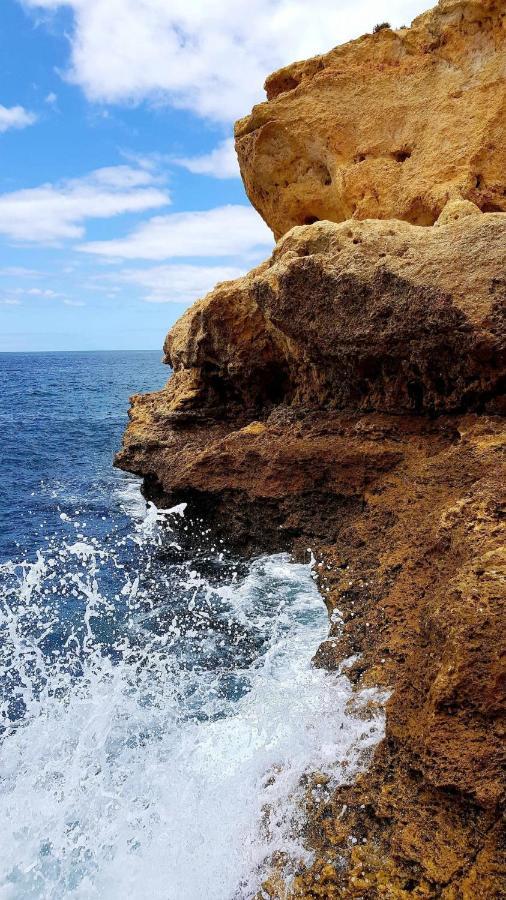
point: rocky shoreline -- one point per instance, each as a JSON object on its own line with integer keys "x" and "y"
{"x": 346, "y": 396}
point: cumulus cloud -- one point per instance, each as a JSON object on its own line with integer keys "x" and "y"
{"x": 55, "y": 212}
{"x": 209, "y": 57}
{"x": 220, "y": 163}
{"x": 15, "y": 117}
{"x": 177, "y": 283}
{"x": 223, "y": 231}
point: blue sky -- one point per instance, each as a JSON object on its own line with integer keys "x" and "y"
{"x": 120, "y": 201}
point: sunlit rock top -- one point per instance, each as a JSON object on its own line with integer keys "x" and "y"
{"x": 392, "y": 125}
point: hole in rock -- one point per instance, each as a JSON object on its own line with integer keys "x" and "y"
{"x": 289, "y": 83}
{"x": 321, "y": 171}
{"x": 281, "y": 86}
{"x": 401, "y": 156}
{"x": 421, "y": 214}
{"x": 310, "y": 220}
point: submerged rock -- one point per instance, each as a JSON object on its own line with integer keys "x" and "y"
{"x": 347, "y": 396}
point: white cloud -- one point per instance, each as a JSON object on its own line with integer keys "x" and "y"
{"x": 177, "y": 283}
{"x": 220, "y": 163}
{"x": 54, "y": 212}
{"x": 123, "y": 177}
{"x": 38, "y": 292}
{"x": 15, "y": 117}
{"x": 224, "y": 231}
{"x": 18, "y": 271}
{"x": 209, "y": 57}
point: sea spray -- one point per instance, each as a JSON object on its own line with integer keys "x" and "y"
{"x": 158, "y": 715}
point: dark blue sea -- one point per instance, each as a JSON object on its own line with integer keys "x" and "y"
{"x": 61, "y": 418}
{"x": 158, "y": 708}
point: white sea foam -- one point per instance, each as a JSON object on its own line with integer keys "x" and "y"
{"x": 128, "y": 492}
{"x": 139, "y": 774}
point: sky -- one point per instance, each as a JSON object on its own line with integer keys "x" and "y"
{"x": 120, "y": 196}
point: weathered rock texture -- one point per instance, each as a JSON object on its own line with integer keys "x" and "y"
{"x": 392, "y": 125}
{"x": 374, "y": 315}
{"x": 347, "y": 395}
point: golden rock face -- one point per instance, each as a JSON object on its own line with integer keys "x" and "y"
{"x": 392, "y": 125}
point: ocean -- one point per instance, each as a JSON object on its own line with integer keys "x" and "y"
{"x": 158, "y": 709}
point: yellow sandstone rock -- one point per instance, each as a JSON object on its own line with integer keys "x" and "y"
{"x": 390, "y": 126}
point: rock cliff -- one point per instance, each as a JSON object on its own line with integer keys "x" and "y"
{"x": 351, "y": 134}
{"x": 346, "y": 396}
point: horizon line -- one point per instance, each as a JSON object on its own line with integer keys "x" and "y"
{"x": 101, "y": 350}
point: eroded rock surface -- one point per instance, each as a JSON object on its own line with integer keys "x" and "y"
{"x": 363, "y": 315}
{"x": 392, "y": 125}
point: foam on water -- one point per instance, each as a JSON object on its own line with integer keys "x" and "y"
{"x": 158, "y": 714}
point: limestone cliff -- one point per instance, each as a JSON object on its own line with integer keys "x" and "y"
{"x": 346, "y": 396}
{"x": 351, "y": 134}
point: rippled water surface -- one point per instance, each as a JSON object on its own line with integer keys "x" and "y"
{"x": 158, "y": 709}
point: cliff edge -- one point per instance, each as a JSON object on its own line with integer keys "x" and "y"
{"x": 347, "y": 395}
